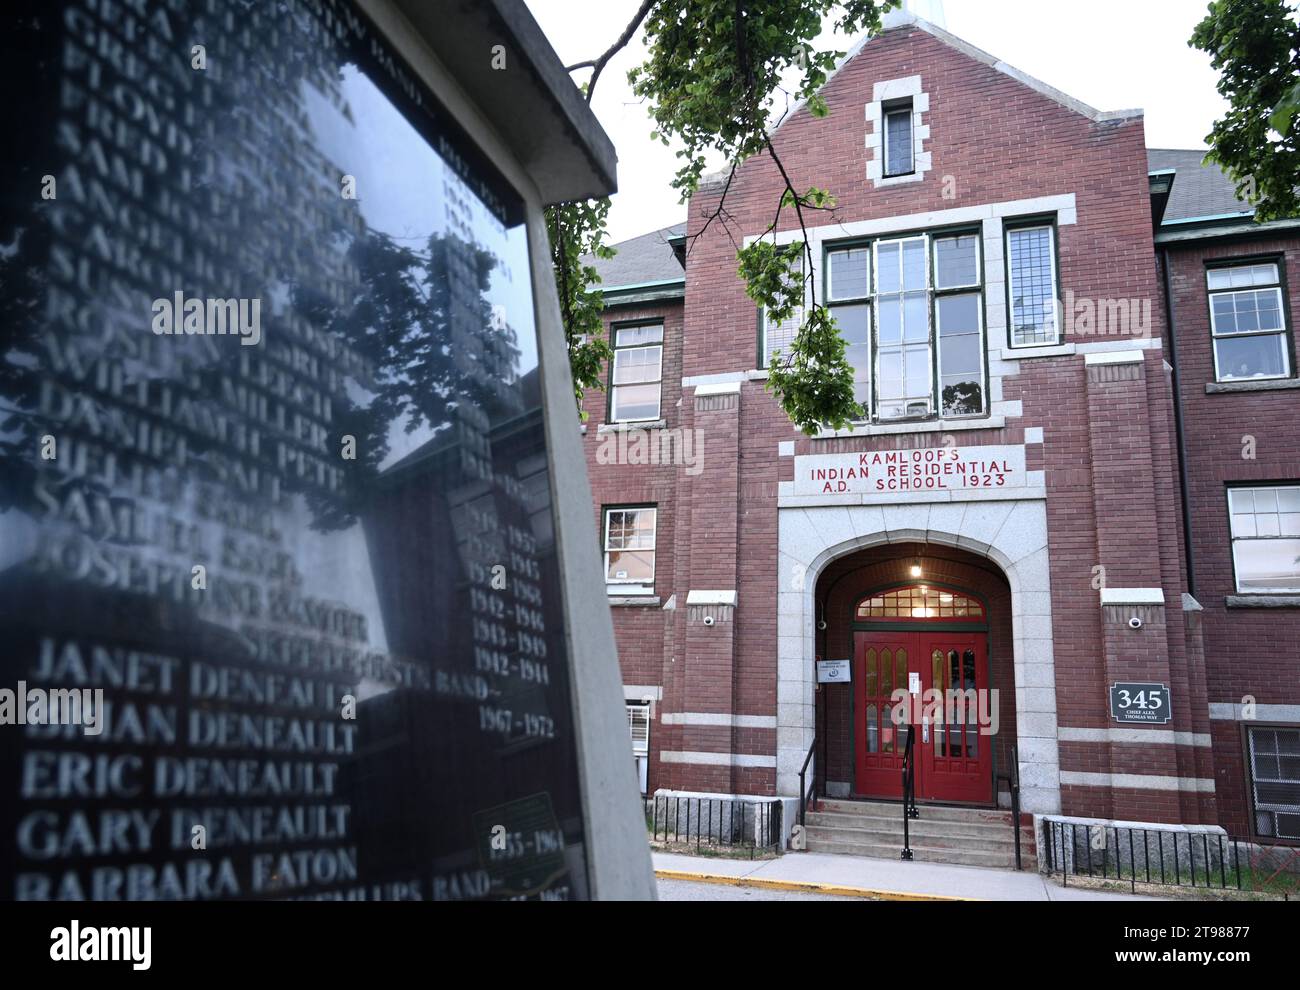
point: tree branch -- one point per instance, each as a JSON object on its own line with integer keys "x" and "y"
{"x": 597, "y": 65}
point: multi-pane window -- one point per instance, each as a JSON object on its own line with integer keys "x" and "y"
{"x": 1247, "y": 322}
{"x": 1031, "y": 281}
{"x": 1265, "y": 524}
{"x": 1275, "y": 780}
{"x": 959, "y": 325}
{"x": 848, "y": 284}
{"x": 776, "y": 338}
{"x": 920, "y": 602}
{"x": 630, "y": 550}
{"x": 909, "y": 309}
{"x": 903, "y": 341}
{"x": 638, "y": 723}
{"x": 898, "y": 139}
{"x": 637, "y": 374}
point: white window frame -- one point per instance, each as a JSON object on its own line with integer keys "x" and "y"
{"x": 1019, "y": 228}
{"x": 1282, "y": 333}
{"x": 1234, "y": 540}
{"x": 629, "y": 586}
{"x": 613, "y": 373}
{"x": 635, "y": 709}
{"x": 876, "y": 349}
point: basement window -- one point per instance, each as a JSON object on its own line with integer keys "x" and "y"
{"x": 1275, "y": 780}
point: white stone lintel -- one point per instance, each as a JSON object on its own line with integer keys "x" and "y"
{"x": 711, "y": 598}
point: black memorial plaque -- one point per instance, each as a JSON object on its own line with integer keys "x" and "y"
{"x": 274, "y": 476}
{"x": 1140, "y": 702}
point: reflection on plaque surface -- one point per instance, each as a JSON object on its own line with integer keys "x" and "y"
{"x": 273, "y": 475}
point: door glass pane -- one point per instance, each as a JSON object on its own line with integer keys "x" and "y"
{"x": 901, "y": 667}
{"x": 936, "y": 683}
{"x": 869, "y": 683}
{"x": 954, "y": 684}
{"x": 873, "y": 731}
{"x": 886, "y": 672}
{"x": 972, "y": 708}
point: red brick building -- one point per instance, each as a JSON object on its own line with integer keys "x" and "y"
{"x": 1074, "y": 489}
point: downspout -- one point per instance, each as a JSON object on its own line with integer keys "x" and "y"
{"x": 1179, "y": 431}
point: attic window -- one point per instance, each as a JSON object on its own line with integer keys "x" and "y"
{"x": 898, "y": 139}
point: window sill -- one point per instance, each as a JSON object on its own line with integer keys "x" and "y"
{"x": 634, "y": 601}
{"x": 1044, "y": 351}
{"x": 916, "y": 426}
{"x": 648, "y": 424}
{"x": 1262, "y": 601}
{"x": 1264, "y": 385}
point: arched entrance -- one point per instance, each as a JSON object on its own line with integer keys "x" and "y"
{"x": 920, "y": 654}
{"x": 1009, "y": 538}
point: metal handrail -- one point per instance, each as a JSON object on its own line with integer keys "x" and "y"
{"x": 1012, "y": 777}
{"x": 803, "y": 794}
{"x": 909, "y": 790}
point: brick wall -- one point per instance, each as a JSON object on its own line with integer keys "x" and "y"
{"x": 1234, "y": 437}
{"x": 1108, "y": 452}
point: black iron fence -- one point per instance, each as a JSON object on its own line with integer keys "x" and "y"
{"x": 1136, "y": 855}
{"x": 715, "y": 823}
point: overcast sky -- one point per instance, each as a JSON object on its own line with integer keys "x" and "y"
{"x": 1111, "y": 54}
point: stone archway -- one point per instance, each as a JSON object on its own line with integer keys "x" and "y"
{"x": 1012, "y": 534}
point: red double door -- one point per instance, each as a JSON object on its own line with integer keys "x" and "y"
{"x": 954, "y": 759}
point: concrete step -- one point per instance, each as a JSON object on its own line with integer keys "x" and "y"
{"x": 930, "y": 812}
{"x": 925, "y": 825}
{"x": 996, "y": 859}
{"x": 943, "y": 833}
{"x": 938, "y": 840}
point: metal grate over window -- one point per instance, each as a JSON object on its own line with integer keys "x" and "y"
{"x": 1275, "y": 780}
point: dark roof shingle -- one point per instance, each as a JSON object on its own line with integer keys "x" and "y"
{"x": 1199, "y": 190}
{"x": 648, "y": 258}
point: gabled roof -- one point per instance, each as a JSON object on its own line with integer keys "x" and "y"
{"x": 646, "y": 260}
{"x": 897, "y": 19}
{"x": 1200, "y": 191}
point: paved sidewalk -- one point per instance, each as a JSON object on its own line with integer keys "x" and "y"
{"x": 887, "y": 879}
